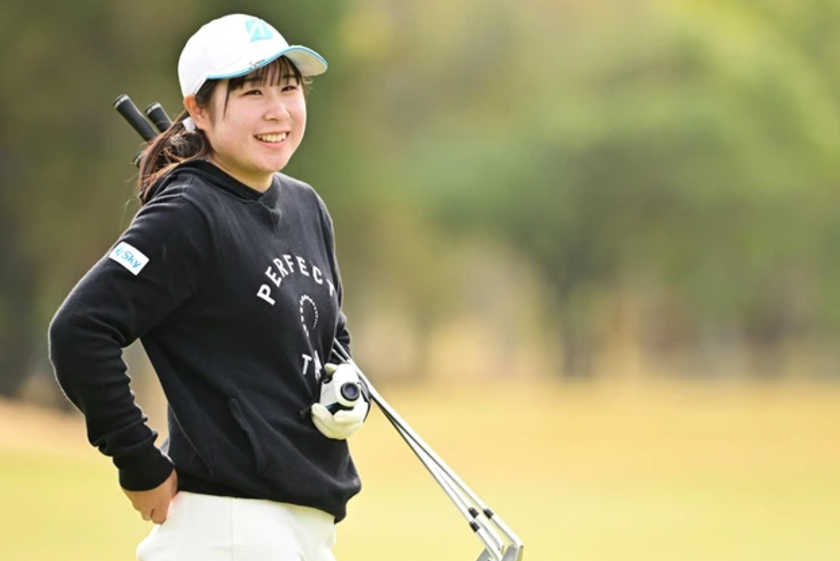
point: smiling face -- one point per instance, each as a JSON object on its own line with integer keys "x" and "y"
{"x": 254, "y": 123}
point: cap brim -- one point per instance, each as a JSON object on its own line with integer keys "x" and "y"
{"x": 307, "y": 61}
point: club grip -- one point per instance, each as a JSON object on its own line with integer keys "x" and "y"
{"x": 158, "y": 116}
{"x": 130, "y": 113}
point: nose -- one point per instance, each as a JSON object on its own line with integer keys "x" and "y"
{"x": 276, "y": 109}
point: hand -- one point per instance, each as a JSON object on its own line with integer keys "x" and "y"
{"x": 154, "y": 504}
{"x": 334, "y": 419}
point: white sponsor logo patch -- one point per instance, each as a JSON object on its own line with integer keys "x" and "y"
{"x": 129, "y": 257}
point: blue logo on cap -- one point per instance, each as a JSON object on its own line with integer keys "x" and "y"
{"x": 258, "y": 29}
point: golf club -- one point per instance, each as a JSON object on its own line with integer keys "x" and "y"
{"x": 129, "y": 111}
{"x": 158, "y": 116}
{"x": 448, "y": 480}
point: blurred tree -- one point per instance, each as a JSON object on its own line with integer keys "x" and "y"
{"x": 67, "y": 184}
{"x": 690, "y": 141}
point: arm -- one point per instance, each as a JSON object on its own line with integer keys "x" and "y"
{"x": 342, "y": 334}
{"x": 156, "y": 265}
{"x": 344, "y": 422}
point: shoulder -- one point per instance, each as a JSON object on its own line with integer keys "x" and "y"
{"x": 172, "y": 226}
{"x": 179, "y": 202}
{"x": 297, "y": 187}
{"x": 304, "y": 192}
{"x": 185, "y": 188}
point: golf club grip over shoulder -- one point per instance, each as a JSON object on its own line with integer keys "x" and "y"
{"x": 158, "y": 116}
{"x": 138, "y": 122}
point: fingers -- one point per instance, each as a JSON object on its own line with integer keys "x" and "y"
{"x": 159, "y": 515}
{"x": 325, "y": 422}
{"x": 340, "y": 418}
{"x": 342, "y": 424}
{"x": 330, "y": 368}
{"x": 348, "y": 417}
{"x": 320, "y": 412}
{"x": 153, "y": 504}
{"x": 351, "y": 416}
{"x": 155, "y": 512}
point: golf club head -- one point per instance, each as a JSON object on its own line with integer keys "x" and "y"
{"x": 485, "y": 556}
{"x": 513, "y": 553}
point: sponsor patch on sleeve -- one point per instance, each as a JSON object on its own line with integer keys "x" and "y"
{"x": 129, "y": 257}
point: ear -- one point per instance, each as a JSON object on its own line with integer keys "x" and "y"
{"x": 200, "y": 115}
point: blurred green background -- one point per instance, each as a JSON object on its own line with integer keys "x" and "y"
{"x": 588, "y": 249}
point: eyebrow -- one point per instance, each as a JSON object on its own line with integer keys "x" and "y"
{"x": 256, "y": 79}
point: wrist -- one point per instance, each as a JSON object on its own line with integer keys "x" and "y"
{"x": 143, "y": 470}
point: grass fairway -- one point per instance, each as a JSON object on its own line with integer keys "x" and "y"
{"x": 672, "y": 473}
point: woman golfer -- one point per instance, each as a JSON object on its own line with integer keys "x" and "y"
{"x": 228, "y": 277}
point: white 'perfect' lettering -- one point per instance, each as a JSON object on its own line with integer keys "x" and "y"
{"x": 289, "y": 262}
{"x": 281, "y": 267}
{"x": 273, "y": 276}
{"x": 265, "y": 293}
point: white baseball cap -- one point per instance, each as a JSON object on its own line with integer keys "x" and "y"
{"x": 235, "y": 45}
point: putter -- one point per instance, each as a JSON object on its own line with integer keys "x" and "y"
{"x": 482, "y": 521}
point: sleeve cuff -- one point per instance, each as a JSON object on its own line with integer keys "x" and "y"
{"x": 143, "y": 470}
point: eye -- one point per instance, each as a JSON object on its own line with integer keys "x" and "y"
{"x": 252, "y": 92}
{"x": 290, "y": 87}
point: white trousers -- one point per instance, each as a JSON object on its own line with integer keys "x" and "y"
{"x": 209, "y": 528}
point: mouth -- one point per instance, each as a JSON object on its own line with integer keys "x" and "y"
{"x": 272, "y": 138}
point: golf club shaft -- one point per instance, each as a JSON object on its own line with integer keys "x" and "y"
{"x": 491, "y": 540}
{"x": 493, "y": 544}
{"x": 397, "y": 421}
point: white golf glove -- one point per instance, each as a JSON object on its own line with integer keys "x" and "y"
{"x": 343, "y": 406}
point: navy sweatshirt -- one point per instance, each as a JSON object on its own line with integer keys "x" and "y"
{"x": 236, "y": 298}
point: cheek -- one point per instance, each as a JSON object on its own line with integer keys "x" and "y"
{"x": 229, "y": 142}
{"x": 299, "y": 116}
{"x": 238, "y": 133}
{"x": 223, "y": 139}
{"x": 235, "y": 122}
{"x": 297, "y": 108}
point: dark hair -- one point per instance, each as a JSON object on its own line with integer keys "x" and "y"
{"x": 177, "y": 145}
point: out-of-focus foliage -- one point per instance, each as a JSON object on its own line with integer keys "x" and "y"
{"x": 67, "y": 185}
{"x": 679, "y": 152}
{"x": 687, "y": 148}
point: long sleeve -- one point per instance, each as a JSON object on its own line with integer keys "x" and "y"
{"x": 342, "y": 334}
{"x": 155, "y": 266}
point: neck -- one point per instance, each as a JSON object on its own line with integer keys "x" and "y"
{"x": 258, "y": 183}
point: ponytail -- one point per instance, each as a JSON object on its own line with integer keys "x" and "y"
{"x": 174, "y": 146}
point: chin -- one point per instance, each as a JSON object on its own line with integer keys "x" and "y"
{"x": 275, "y": 169}
{"x": 277, "y": 166}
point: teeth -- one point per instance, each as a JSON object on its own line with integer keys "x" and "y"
{"x": 272, "y": 137}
